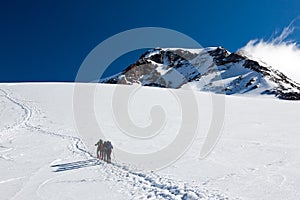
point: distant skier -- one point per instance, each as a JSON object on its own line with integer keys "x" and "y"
{"x": 108, "y": 150}
{"x": 99, "y": 144}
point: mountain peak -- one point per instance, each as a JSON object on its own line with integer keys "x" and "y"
{"x": 213, "y": 69}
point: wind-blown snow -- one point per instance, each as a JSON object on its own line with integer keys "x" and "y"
{"x": 280, "y": 52}
{"x": 284, "y": 57}
{"x": 42, "y": 156}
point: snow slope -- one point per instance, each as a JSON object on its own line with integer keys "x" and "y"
{"x": 43, "y": 157}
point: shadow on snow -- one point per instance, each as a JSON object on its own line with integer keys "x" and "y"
{"x": 76, "y": 165}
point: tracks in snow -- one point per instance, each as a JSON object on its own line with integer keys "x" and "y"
{"x": 27, "y": 111}
{"x": 28, "y": 115}
{"x": 152, "y": 186}
{"x": 144, "y": 185}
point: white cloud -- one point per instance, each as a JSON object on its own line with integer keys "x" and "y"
{"x": 277, "y": 52}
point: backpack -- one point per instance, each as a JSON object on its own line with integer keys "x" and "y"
{"x": 108, "y": 145}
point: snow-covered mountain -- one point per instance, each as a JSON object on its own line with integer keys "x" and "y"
{"x": 211, "y": 69}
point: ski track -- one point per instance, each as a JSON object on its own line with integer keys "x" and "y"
{"x": 12, "y": 179}
{"x": 148, "y": 186}
{"x": 25, "y": 117}
{"x": 28, "y": 115}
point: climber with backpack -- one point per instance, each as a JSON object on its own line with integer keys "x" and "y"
{"x": 108, "y": 150}
{"x": 102, "y": 151}
{"x": 99, "y": 144}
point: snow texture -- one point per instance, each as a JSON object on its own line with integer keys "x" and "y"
{"x": 42, "y": 156}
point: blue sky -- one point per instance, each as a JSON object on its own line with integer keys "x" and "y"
{"x": 48, "y": 40}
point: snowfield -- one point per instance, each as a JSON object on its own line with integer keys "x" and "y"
{"x": 42, "y": 155}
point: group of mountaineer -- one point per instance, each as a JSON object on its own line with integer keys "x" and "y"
{"x": 104, "y": 149}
